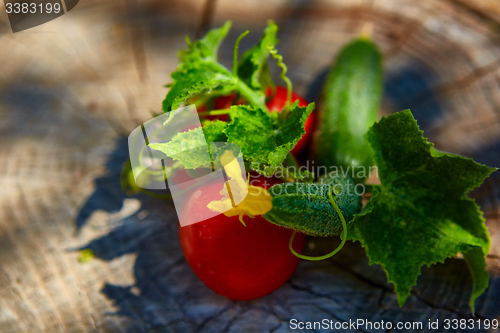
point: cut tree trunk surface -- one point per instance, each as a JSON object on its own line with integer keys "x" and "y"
{"x": 71, "y": 91}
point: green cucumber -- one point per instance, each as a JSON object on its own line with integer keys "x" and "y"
{"x": 351, "y": 101}
{"x": 307, "y": 208}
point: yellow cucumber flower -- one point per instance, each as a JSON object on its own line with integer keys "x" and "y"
{"x": 251, "y": 200}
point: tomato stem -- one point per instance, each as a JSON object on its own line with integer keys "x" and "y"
{"x": 343, "y": 236}
{"x": 235, "y": 52}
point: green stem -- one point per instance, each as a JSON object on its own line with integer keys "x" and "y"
{"x": 343, "y": 236}
{"x": 251, "y": 96}
{"x": 214, "y": 112}
{"x": 235, "y": 52}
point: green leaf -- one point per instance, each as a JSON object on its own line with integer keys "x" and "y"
{"x": 252, "y": 129}
{"x": 306, "y": 207}
{"x": 480, "y": 276}
{"x": 261, "y": 137}
{"x": 199, "y": 72}
{"x": 253, "y": 68}
{"x": 189, "y": 148}
{"x": 420, "y": 214}
{"x": 289, "y": 132}
{"x": 204, "y": 50}
{"x": 192, "y": 148}
{"x": 195, "y": 82}
{"x": 214, "y": 131}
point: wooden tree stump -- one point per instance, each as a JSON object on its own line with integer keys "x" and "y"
{"x": 71, "y": 90}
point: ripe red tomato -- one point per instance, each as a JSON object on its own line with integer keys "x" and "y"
{"x": 277, "y": 102}
{"x": 235, "y": 261}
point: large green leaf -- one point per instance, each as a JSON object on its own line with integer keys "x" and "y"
{"x": 420, "y": 214}
{"x": 261, "y": 137}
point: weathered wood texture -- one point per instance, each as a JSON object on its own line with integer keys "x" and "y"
{"x": 72, "y": 89}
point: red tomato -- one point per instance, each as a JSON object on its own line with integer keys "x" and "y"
{"x": 235, "y": 261}
{"x": 277, "y": 102}
{"x": 224, "y": 102}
